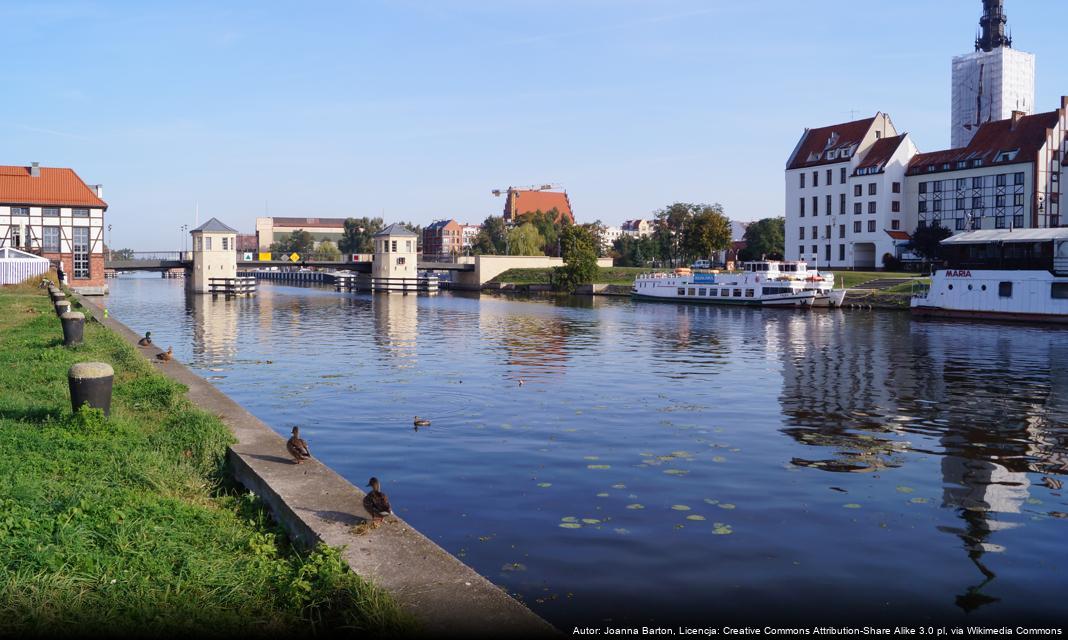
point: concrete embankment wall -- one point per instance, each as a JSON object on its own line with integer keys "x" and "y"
{"x": 314, "y": 504}
{"x": 489, "y": 267}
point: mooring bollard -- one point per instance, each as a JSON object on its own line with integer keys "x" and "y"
{"x": 73, "y": 328}
{"x": 90, "y": 382}
{"x": 57, "y": 296}
{"x": 62, "y": 307}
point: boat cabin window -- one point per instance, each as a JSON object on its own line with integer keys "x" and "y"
{"x": 702, "y": 291}
{"x": 724, "y": 293}
{"x": 1058, "y": 290}
{"x": 737, "y": 293}
{"x": 692, "y": 291}
{"x": 682, "y": 291}
{"x": 748, "y": 293}
{"x": 1004, "y": 289}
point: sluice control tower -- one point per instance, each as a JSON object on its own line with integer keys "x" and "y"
{"x": 992, "y": 82}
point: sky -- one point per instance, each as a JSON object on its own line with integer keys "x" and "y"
{"x": 415, "y": 110}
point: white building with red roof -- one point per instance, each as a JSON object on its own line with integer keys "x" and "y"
{"x": 51, "y": 212}
{"x": 845, "y": 192}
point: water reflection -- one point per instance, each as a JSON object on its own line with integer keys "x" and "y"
{"x": 396, "y": 324}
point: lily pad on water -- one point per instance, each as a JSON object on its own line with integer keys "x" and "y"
{"x": 598, "y": 466}
{"x": 718, "y": 459}
{"x": 695, "y": 517}
{"x": 851, "y": 505}
{"x": 636, "y": 506}
{"x": 570, "y": 525}
{"x": 569, "y": 519}
{"x": 904, "y": 489}
{"x": 621, "y": 531}
{"x": 676, "y": 472}
{"x": 726, "y": 505}
{"x": 545, "y": 485}
{"x": 602, "y": 495}
{"x": 711, "y": 501}
{"x": 680, "y": 507}
{"x": 591, "y": 521}
{"x": 721, "y": 529}
{"x": 591, "y": 457}
{"x": 1034, "y": 501}
{"x": 619, "y": 486}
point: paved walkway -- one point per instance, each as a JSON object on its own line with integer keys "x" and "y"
{"x": 315, "y": 504}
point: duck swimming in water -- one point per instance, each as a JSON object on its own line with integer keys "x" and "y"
{"x": 376, "y": 503}
{"x": 297, "y": 447}
{"x": 420, "y": 422}
{"x": 166, "y": 355}
{"x": 146, "y": 341}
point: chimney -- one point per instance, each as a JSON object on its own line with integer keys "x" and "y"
{"x": 99, "y": 189}
{"x": 1016, "y": 116}
{"x": 35, "y": 170}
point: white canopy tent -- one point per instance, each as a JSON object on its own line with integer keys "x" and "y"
{"x": 16, "y": 266}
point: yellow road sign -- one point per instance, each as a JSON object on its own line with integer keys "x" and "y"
{"x": 265, "y": 256}
{"x": 294, "y": 257}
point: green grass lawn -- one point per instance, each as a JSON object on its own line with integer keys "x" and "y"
{"x": 129, "y": 525}
{"x": 608, "y": 275}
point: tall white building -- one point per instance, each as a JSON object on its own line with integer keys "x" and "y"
{"x": 993, "y": 82}
{"x": 845, "y": 194}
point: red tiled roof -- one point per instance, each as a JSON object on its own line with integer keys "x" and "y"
{"x": 881, "y": 152}
{"x": 55, "y": 186}
{"x": 1027, "y": 135}
{"x": 899, "y": 235}
{"x": 524, "y": 202}
{"x": 308, "y": 223}
{"x": 810, "y": 153}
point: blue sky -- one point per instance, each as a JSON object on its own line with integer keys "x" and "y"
{"x": 417, "y": 109}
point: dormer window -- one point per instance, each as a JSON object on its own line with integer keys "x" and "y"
{"x": 978, "y": 162}
{"x": 831, "y": 155}
{"x": 1007, "y": 156}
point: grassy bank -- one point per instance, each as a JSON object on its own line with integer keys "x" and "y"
{"x": 128, "y": 525}
{"x": 849, "y": 279}
{"x": 609, "y": 275}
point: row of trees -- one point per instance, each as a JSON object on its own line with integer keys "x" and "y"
{"x": 356, "y": 237}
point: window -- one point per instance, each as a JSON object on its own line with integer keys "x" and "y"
{"x": 226, "y": 243}
{"x": 978, "y": 162}
{"x": 977, "y": 203}
{"x": 724, "y": 293}
{"x": 923, "y": 207}
{"x": 999, "y": 222}
{"x": 896, "y": 187}
{"x": 842, "y": 204}
{"x": 842, "y": 176}
{"x": 1017, "y": 199}
{"x": 802, "y": 174}
{"x": 1004, "y": 289}
{"x": 841, "y": 252}
{"x": 962, "y": 184}
{"x": 682, "y": 291}
{"x": 960, "y": 203}
{"x": 858, "y": 208}
{"x": 960, "y": 224}
{"x": 814, "y": 250}
{"x": 858, "y": 190}
{"x": 827, "y": 252}
{"x": 80, "y": 248}
{"x": 856, "y": 227}
{"x": 802, "y": 236}
{"x": 1058, "y": 290}
{"x": 895, "y": 225}
{"x": 895, "y": 206}
{"x": 20, "y": 211}
{"x": 815, "y": 232}
{"x": 1017, "y": 221}
{"x": 841, "y": 231}
{"x": 872, "y": 189}
{"x": 871, "y": 226}
{"x": 401, "y": 260}
{"x": 1002, "y": 178}
{"x": 692, "y": 292}
{"x": 815, "y": 206}
{"x": 815, "y": 178}
{"x": 702, "y": 291}
{"x": 871, "y": 207}
{"x": 937, "y": 205}
{"x": 801, "y": 252}
{"x": 830, "y": 177}
{"x": 923, "y": 187}
{"x": 207, "y": 244}
{"x": 749, "y": 293}
{"x": 1018, "y": 179}
{"x": 977, "y": 182}
{"x": 392, "y": 245}
{"x": 738, "y": 292}
{"x": 802, "y": 207}
{"x": 827, "y": 232}
{"x": 829, "y": 204}
{"x": 937, "y": 184}
{"x": 50, "y": 212}
{"x": 80, "y": 213}
{"x": 50, "y": 239}
{"x": 999, "y": 200}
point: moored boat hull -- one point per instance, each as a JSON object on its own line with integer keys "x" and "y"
{"x": 923, "y": 313}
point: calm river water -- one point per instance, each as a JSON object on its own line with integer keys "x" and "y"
{"x": 662, "y": 462}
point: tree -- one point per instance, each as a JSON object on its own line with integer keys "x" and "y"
{"x": 765, "y": 239}
{"x": 492, "y": 239}
{"x": 670, "y": 234}
{"x": 598, "y": 230}
{"x": 525, "y": 240}
{"x": 358, "y": 235}
{"x": 299, "y": 241}
{"x": 327, "y": 250}
{"x": 709, "y": 231}
{"x": 926, "y": 241}
{"x": 635, "y": 251}
{"x": 580, "y": 259}
{"x": 549, "y": 224}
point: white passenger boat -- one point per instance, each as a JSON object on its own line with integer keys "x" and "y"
{"x": 769, "y": 283}
{"x": 1016, "y": 275}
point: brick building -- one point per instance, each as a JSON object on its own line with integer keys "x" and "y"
{"x": 523, "y": 201}
{"x": 51, "y": 212}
